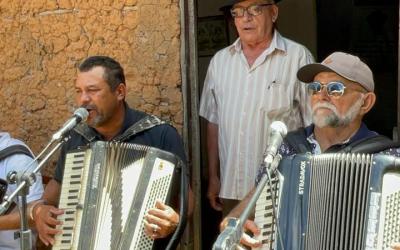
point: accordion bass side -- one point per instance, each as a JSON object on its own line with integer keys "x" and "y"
{"x": 333, "y": 201}
{"x": 107, "y": 189}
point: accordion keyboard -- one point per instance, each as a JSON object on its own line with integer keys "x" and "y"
{"x": 72, "y": 185}
{"x": 264, "y": 214}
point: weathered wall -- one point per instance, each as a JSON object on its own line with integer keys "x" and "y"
{"x": 43, "y": 41}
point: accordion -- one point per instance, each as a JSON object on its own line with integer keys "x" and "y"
{"x": 331, "y": 201}
{"x": 106, "y": 191}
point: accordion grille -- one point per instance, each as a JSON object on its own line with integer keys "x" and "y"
{"x": 337, "y": 201}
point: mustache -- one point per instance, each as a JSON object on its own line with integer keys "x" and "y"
{"x": 89, "y": 107}
{"x": 326, "y": 105}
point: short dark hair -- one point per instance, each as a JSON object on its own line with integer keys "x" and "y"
{"x": 113, "y": 72}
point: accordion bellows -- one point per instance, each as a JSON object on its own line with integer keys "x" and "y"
{"x": 332, "y": 201}
{"x": 106, "y": 191}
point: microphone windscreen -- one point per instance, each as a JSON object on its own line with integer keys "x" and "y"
{"x": 82, "y": 113}
{"x": 279, "y": 127}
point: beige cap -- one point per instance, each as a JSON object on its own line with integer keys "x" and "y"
{"x": 343, "y": 64}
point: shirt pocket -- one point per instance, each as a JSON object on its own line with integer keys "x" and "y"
{"x": 277, "y": 101}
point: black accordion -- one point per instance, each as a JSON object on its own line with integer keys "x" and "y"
{"x": 106, "y": 191}
{"x": 332, "y": 201}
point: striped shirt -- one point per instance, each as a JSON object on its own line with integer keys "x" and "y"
{"x": 244, "y": 100}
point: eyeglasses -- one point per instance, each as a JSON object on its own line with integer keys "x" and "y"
{"x": 334, "y": 89}
{"x": 252, "y": 10}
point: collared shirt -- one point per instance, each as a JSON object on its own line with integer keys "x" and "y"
{"x": 243, "y": 100}
{"x": 18, "y": 163}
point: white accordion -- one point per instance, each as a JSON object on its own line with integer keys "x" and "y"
{"x": 106, "y": 191}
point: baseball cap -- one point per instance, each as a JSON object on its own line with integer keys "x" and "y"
{"x": 230, "y": 3}
{"x": 343, "y": 64}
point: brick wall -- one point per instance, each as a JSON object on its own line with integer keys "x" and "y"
{"x": 42, "y": 42}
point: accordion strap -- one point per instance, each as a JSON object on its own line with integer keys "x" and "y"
{"x": 147, "y": 122}
{"x": 14, "y": 149}
{"x": 370, "y": 145}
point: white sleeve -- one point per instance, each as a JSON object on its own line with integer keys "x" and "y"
{"x": 20, "y": 163}
{"x": 208, "y": 102}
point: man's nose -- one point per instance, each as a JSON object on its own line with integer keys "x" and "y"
{"x": 322, "y": 95}
{"x": 84, "y": 98}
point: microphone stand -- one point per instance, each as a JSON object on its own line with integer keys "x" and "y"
{"x": 230, "y": 237}
{"x": 24, "y": 181}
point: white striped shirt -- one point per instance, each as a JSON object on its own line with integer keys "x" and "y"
{"x": 244, "y": 100}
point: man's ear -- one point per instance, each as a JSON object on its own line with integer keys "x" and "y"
{"x": 274, "y": 12}
{"x": 121, "y": 91}
{"x": 369, "y": 102}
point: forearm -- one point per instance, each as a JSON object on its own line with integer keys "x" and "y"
{"x": 52, "y": 193}
{"x": 212, "y": 150}
{"x": 237, "y": 211}
{"x": 10, "y": 221}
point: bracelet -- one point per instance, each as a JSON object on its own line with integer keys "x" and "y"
{"x": 33, "y": 205}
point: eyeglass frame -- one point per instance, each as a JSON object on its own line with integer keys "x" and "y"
{"x": 246, "y": 9}
{"x": 328, "y": 91}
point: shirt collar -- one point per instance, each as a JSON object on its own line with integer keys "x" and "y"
{"x": 362, "y": 132}
{"x": 277, "y": 43}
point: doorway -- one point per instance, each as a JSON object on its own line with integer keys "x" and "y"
{"x": 366, "y": 28}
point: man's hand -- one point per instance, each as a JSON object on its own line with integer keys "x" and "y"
{"x": 395, "y": 246}
{"x": 246, "y": 239}
{"x": 45, "y": 221}
{"x": 161, "y": 221}
{"x": 214, "y": 186}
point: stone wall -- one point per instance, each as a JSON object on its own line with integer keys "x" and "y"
{"x": 43, "y": 41}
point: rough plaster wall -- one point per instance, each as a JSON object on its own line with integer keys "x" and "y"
{"x": 43, "y": 41}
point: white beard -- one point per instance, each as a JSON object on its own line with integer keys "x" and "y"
{"x": 335, "y": 119}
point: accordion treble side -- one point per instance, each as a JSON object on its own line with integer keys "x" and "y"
{"x": 107, "y": 189}
{"x": 334, "y": 201}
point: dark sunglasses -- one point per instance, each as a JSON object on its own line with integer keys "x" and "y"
{"x": 334, "y": 89}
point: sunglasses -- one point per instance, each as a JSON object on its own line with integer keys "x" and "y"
{"x": 334, "y": 89}
{"x": 252, "y": 10}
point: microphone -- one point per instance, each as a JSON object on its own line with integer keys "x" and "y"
{"x": 278, "y": 132}
{"x": 80, "y": 114}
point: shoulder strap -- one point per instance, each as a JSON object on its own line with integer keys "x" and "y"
{"x": 84, "y": 130}
{"x": 143, "y": 124}
{"x": 15, "y": 149}
{"x": 371, "y": 145}
{"x": 147, "y": 122}
{"x": 298, "y": 141}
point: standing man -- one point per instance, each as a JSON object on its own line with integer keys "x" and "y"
{"x": 17, "y": 160}
{"x": 100, "y": 88}
{"x": 248, "y": 85}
